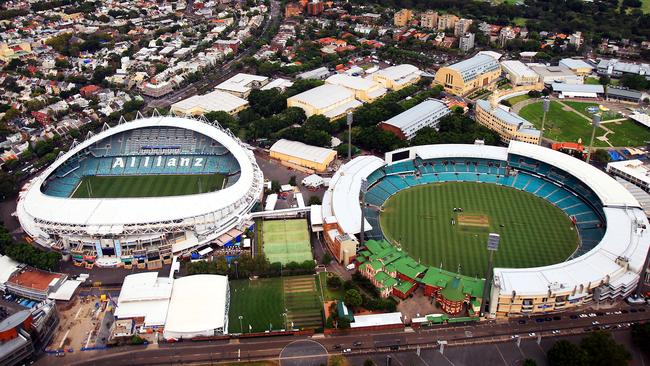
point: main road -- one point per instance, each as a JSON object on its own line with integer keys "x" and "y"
{"x": 224, "y": 72}
{"x": 374, "y": 342}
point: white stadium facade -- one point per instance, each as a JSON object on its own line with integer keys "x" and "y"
{"x": 143, "y": 231}
{"x": 613, "y": 229}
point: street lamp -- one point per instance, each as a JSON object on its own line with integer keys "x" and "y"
{"x": 595, "y": 123}
{"x": 546, "y": 105}
{"x": 349, "y": 120}
{"x": 364, "y": 190}
{"x": 492, "y": 246}
{"x": 241, "y": 327}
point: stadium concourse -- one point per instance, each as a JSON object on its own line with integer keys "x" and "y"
{"x": 612, "y": 227}
{"x": 137, "y": 193}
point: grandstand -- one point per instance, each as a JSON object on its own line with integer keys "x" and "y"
{"x": 136, "y": 193}
{"x": 610, "y": 224}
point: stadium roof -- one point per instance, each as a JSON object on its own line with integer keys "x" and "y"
{"x": 144, "y": 295}
{"x": 457, "y": 150}
{"x": 342, "y": 197}
{"x": 324, "y": 96}
{"x": 610, "y": 192}
{"x": 417, "y": 113}
{"x": 197, "y": 307}
{"x": 303, "y": 151}
{"x": 111, "y": 214}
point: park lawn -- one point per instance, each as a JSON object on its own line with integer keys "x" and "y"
{"x": 533, "y": 231}
{"x": 627, "y": 133}
{"x": 581, "y": 107}
{"x": 123, "y": 186}
{"x": 518, "y": 98}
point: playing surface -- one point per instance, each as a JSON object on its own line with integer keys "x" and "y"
{"x": 148, "y": 185}
{"x": 262, "y": 303}
{"x": 286, "y": 241}
{"x": 534, "y": 232}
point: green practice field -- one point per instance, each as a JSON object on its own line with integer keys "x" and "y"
{"x": 565, "y": 125}
{"x": 263, "y": 302}
{"x": 148, "y": 185}
{"x": 286, "y": 241}
{"x": 534, "y": 232}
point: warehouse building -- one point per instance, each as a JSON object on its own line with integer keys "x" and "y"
{"x": 508, "y": 125}
{"x": 578, "y": 67}
{"x": 468, "y": 75}
{"x": 315, "y": 74}
{"x": 332, "y": 101}
{"x": 555, "y": 74}
{"x": 302, "y": 156}
{"x": 212, "y": 102}
{"x": 518, "y": 73}
{"x": 241, "y": 84}
{"x": 397, "y": 77}
{"x": 577, "y": 90}
{"x": 364, "y": 89}
{"x": 426, "y": 114}
{"x": 624, "y": 95}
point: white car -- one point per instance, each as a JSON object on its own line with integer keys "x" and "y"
{"x": 595, "y": 323}
{"x": 583, "y": 315}
{"x": 592, "y": 315}
{"x": 556, "y": 332}
{"x": 531, "y": 334}
{"x": 636, "y": 300}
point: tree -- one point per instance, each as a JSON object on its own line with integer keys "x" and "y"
{"x": 601, "y": 156}
{"x": 565, "y": 353}
{"x": 267, "y": 102}
{"x": 641, "y": 336}
{"x": 334, "y": 281}
{"x": 292, "y": 180}
{"x": 369, "y": 362}
{"x": 275, "y": 186}
{"x": 314, "y": 200}
{"x": 224, "y": 119}
{"x": 343, "y": 323}
{"x": 634, "y": 81}
{"x": 602, "y": 350}
{"x": 604, "y": 80}
{"x": 352, "y": 298}
{"x": 529, "y": 362}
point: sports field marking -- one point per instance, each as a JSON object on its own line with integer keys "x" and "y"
{"x": 124, "y": 186}
{"x": 473, "y": 220}
{"x": 286, "y": 241}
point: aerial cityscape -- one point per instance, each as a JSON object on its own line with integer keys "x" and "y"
{"x": 336, "y": 183}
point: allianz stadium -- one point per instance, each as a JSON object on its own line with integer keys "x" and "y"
{"x": 143, "y": 190}
{"x": 609, "y": 223}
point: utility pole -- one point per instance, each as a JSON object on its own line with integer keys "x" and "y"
{"x": 492, "y": 246}
{"x": 349, "y": 119}
{"x": 595, "y": 123}
{"x": 364, "y": 189}
{"x": 546, "y": 105}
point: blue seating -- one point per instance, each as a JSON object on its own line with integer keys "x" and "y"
{"x": 546, "y": 189}
{"x": 521, "y": 181}
{"x": 533, "y": 185}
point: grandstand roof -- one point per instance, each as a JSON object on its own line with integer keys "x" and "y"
{"x": 197, "y": 307}
{"x": 342, "y": 197}
{"x": 609, "y": 191}
{"x": 111, "y": 214}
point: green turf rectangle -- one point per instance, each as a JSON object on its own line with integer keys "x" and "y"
{"x": 123, "y": 186}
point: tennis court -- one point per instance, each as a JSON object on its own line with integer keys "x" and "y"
{"x": 286, "y": 241}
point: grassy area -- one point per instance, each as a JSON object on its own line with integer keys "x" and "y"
{"x": 565, "y": 125}
{"x": 328, "y": 293}
{"x": 147, "y": 185}
{"x": 592, "y": 81}
{"x": 286, "y": 241}
{"x": 533, "y": 231}
{"x": 518, "y": 98}
{"x": 519, "y": 21}
{"x": 581, "y": 107}
{"x": 263, "y": 303}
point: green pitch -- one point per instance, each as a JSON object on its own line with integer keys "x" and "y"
{"x": 563, "y": 124}
{"x": 534, "y": 232}
{"x": 263, "y": 302}
{"x": 148, "y": 185}
{"x": 286, "y": 241}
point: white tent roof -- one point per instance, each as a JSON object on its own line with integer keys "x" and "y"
{"x": 144, "y": 295}
{"x": 65, "y": 291}
{"x": 197, "y": 307}
{"x": 302, "y": 151}
{"x": 374, "y": 320}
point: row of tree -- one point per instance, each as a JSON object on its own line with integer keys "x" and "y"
{"x": 246, "y": 265}
{"x": 27, "y": 254}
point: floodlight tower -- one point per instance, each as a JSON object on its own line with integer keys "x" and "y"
{"x": 349, "y": 120}
{"x": 546, "y": 104}
{"x": 595, "y": 123}
{"x": 364, "y": 190}
{"x": 492, "y": 246}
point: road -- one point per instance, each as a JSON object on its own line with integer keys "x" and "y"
{"x": 372, "y": 343}
{"x": 225, "y": 71}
